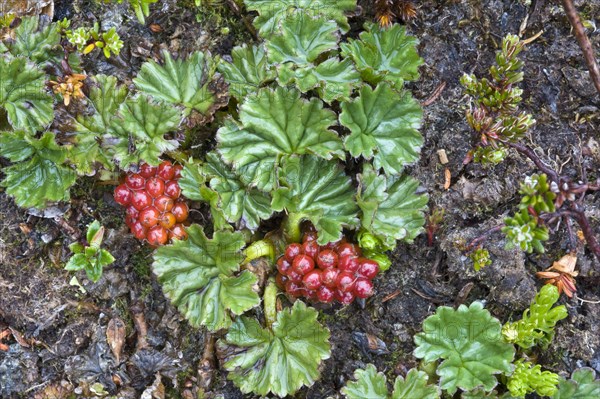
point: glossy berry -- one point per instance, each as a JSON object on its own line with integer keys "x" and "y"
{"x": 122, "y": 195}
{"x": 348, "y": 263}
{"x": 348, "y": 249}
{"x": 283, "y": 266}
{"x": 345, "y": 298}
{"x": 368, "y": 268}
{"x": 166, "y": 171}
{"x": 325, "y": 294}
{"x": 180, "y": 211}
{"x": 138, "y": 230}
{"x": 363, "y": 288}
{"x": 345, "y": 281}
{"x": 157, "y": 236}
{"x": 140, "y": 200}
{"x": 294, "y": 289}
{"x": 310, "y": 248}
{"x": 329, "y": 277}
{"x": 292, "y": 251}
{"x": 172, "y": 189}
{"x": 312, "y": 280}
{"x": 167, "y": 220}
{"x": 327, "y": 258}
{"x": 155, "y": 186}
{"x": 164, "y": 203}
{"x": 178, "y": 231}
{"x": 302, "y": 264}
{"x": 147, "y": 171}
{"x": 148, "y": 217}
{"x": 131, "y": 215}
{"x": 177, "y": 174}
{"x": 295, "y": 277}
{"x": 135, "y": 181}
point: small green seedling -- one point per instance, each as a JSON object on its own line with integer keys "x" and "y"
{"x": 90, "y": 258}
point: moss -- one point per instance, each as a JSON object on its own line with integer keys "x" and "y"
{"x": 122, "y": 308}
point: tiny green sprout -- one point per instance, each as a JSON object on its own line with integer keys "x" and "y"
{"x": 523, "y": 231}
{"x": 90, "y": 258}
{"x": 86, "y": 40}
{"x": 528, "y": 378}
{"x": 480, "y": 258}
{"x": 373, "y": 248}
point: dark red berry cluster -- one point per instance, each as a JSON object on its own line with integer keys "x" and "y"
{"x": 335, "y": 271}
{"x": 155, "y": 212}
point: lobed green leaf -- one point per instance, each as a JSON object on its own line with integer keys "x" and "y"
{"x": 248, "y": 72}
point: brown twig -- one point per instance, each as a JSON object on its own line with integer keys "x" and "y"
{"x": 586, "y": 229}
{"x": 484, "y": 236}
{"x": 435, "y": 95}
{"x": 236, "y": 9}
{"x": 529, "y": 153}
{"x": 584, "y": 42}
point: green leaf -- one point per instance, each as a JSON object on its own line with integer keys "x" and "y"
{"x": 280, "y": 361}
{"x": 77, "y": 262}
{"x": 94, "y": 234}
{"x": 145, "y": 123}
{"x": 272, "y": 12}
{"x": 105, "y": 258}
{"x": 384, "y": 126}
{"x": 141, "y": 9}
{"x": 275, "y": 123}
{"x": 385, "y": 54}
{"x": 536, "y": 327}
{"x": 470, "y": 345}
{"x": 301, "y": 39}
{"x": 39, "y": 42}
{"x": 319, "y": 191}
{"x": 23, "y": 95}
{"x": 414, "y": 386}
{"x": 391, "y": 208}
{"x": 200, "y": 276}
{"x": 38, "y": 175}
{"x": 248, "y": 71}
{"x": 369, "y": 384}
{"x": 582, "y": 385}
{"x": 93, "y": 270}
{"x": 333, "y": 79}
{"x": 180, "y": 82}
{"x": 239, "y": 203}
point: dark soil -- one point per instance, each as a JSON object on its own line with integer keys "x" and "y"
{"x": 63, "y": 327}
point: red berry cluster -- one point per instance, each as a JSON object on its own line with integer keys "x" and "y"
{"x": 327, "y": 272}
{"x": 154, "y": 210}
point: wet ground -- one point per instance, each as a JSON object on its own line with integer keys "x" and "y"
{"x": 59, "y": 343}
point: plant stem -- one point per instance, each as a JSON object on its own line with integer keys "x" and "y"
{"x": 586, "y": 229}
{"x": 584, "y": 42}
{"x": 484, "y": 236}
{"x": 529, "y": 153}
{"x": 258, "y": 249}
{"x": 291, "y": 226}
{"x": 270, "y": 302}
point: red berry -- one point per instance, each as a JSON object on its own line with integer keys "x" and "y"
{"x": 140, "y": 200}
{"x": 310, "y": 248}
{"x": 138, "y": 230}
{"x": 302, "y": 264}
{"x": 283, "y": 265}
{"x": 345, "y": 298}
{"x": 292, "y": 251}
{"x": 325, "y": 294}
{"x": 180, "y": 211}
{"x": 122, "y": 195}
{"x": 167, "y": 220}
{"x": 363, "y": 288}
{"x": 155, "y": 186}
{"x": 164, "y": 203}
{"x": 166, "y": 170}
{"x": 348, "y": 263}
{"x": 329, "y": 277}
{"x": 294, "y": 289}
{"x": 135, "y": 181}
{"x": 148, "y": 217}
{"x": 178, "y": 169}
{"x": 280, "y": 280}
{"x": 157, "y": 236}
{"x": 348, "y": 249}
{"x": 327, "y": 258}
{"x": 310, "y": 294}
{"x": 345, "y": 281}
{"x": 131, "y": 215}
{"x": 312, "y": 280}
{"x": 293, "y": 276}
{"x": 147, "y": 171}
{"x": 172, "y": 189}
{"x": 178, "y": 231}
{"x": 368, "y": 268}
